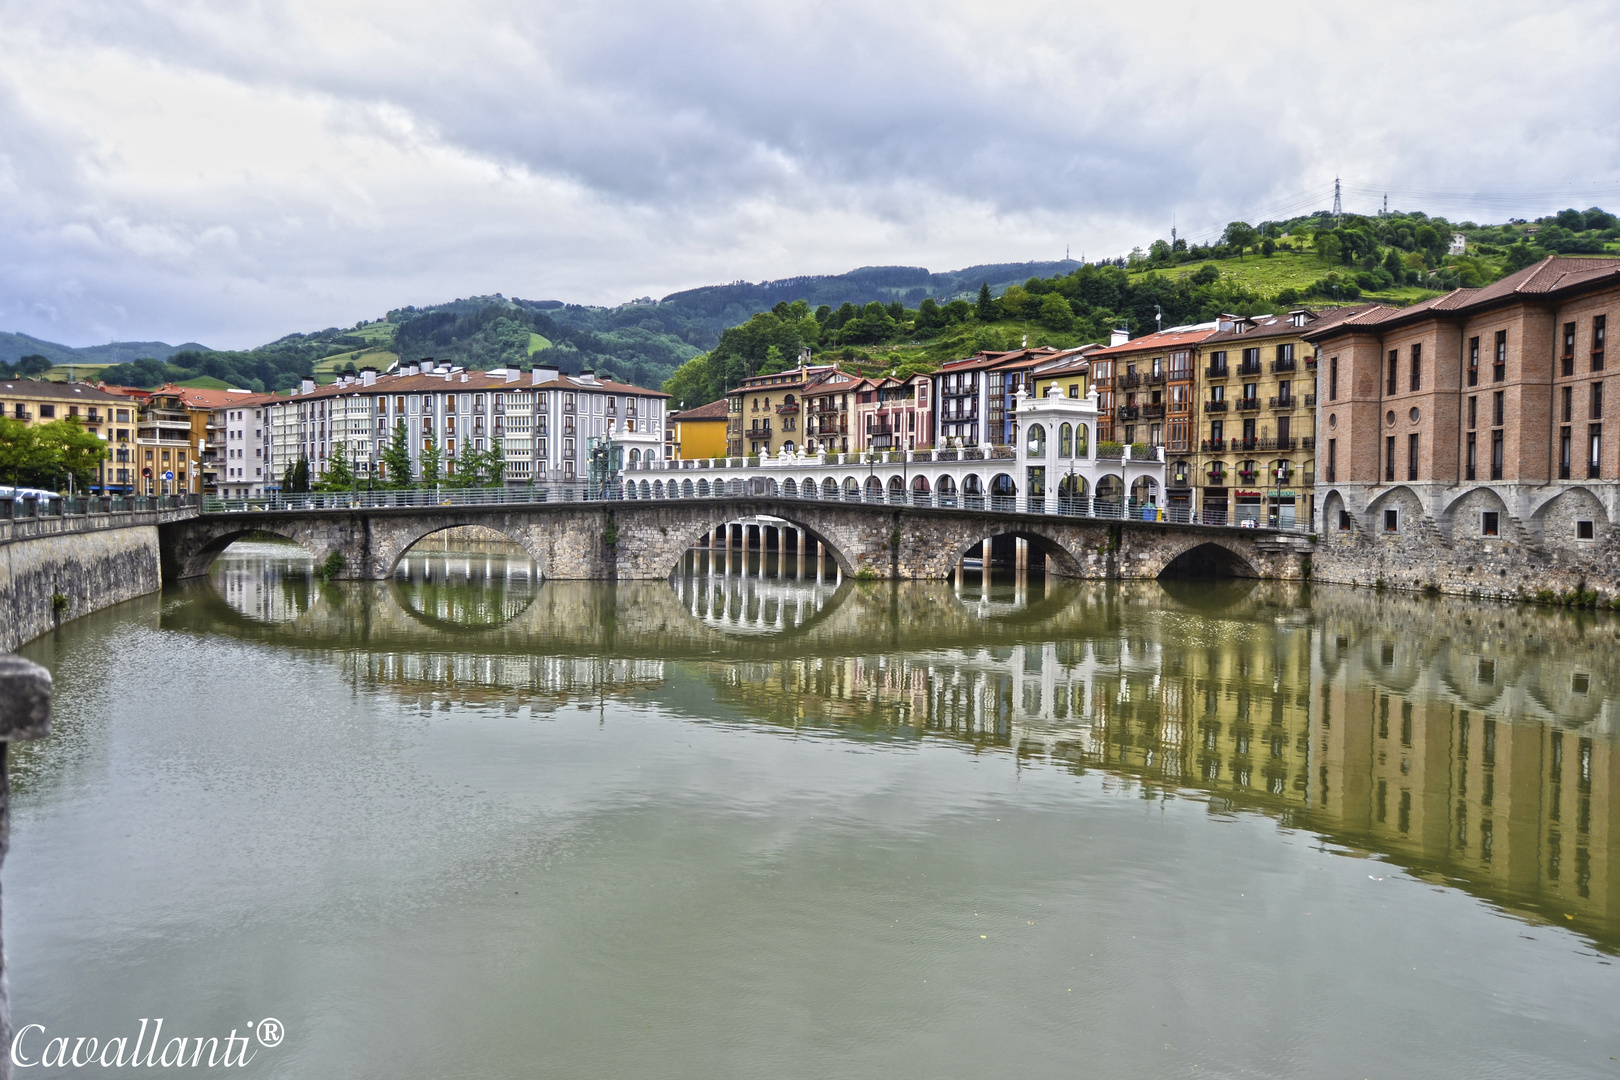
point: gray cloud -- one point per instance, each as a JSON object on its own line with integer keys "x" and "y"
{"x": 230, "y": 173}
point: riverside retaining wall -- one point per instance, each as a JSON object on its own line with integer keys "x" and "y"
{"x": 49, "y": 575}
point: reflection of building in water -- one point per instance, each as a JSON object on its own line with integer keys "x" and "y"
{"x": 1440, "y": 753}
{"x": 268, "y": 582}
{"x": 752, "y": 605}
{"x": 441, "y": 679}
{"x": 1485, "y": 755}
{"x": 488, "y": 588}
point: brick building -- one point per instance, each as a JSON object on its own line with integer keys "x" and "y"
{"x": 1474, "y": 421}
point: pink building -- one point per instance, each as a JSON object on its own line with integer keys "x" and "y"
{"x": 893, "y": 414}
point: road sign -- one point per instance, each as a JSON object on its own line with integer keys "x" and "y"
{"x": 168, "y": 474}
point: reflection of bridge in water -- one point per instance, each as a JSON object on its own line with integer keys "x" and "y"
{"x": 1484, "y": 758}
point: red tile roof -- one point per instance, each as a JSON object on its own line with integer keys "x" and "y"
{"x": 714, "y": 410}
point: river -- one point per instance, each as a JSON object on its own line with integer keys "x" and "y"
{"x": 755, "y": 824}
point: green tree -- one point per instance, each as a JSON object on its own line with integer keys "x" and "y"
{"x": 338, "y": 475}
{"x": 396, "y": 458}
{"x": 295, "y": 481}
{"x": 987, "y": 306}
{"x": 774, "y": 363}
{"x": 1521, "y": 255}
{"x": 33, "y": 364}
{"x": 689, "y": 387}
{"x": 1056, "y": 313}
{"x": 1240, "y": 234}
{"x": 1393, "y": 264}
{"x": 432, "y": 463}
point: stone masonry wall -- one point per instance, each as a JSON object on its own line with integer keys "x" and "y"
{"x": 91, "y": 570}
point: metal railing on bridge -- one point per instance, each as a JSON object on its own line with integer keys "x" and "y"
{"x": 632, "y": 491}
{"x": 29, "y": 507}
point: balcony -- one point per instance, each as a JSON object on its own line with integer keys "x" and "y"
{"x": 1127, "y": 382}
{"x": 1246, "y": 476}
{"x": 1215, "y": 406}
{"x": 1127, "y": 412}
{"x": 788, "y": 409}
{"x": 1245, "y": 444}
{"x": 1216, "y": 479}
{"x": 1218, "y": 371}
{"x": 1308, "y": 443}
{"x": 1213, "y": 446}
{"x": 1248, "y": 404}
{"x": 1284, "y": 401}
{"x": 1310, "y": 401}
{"x": 1249, "y": 369}
{"x": 1280, "y": 445}
{"x": 1152, "y": 412}
{"x": 1310, "y": 363}
{"x": 1279, "y": 367}
{"x": 1155, "y": 378}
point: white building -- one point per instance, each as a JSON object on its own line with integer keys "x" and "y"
{"x": 542, "y": 420}
{"x": 243, "y": 461}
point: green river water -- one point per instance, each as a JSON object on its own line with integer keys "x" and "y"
{"x": 752, "y": 824}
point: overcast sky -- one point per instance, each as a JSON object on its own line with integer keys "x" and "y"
{"x": 232, "y": 171}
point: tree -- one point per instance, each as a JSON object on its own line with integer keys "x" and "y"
{"x": 338, "y": 475}
{"x": 71, "y": 450}
{"x": 33, "y": 364}
{"x": 295, "y": 481}
{"x": 1056, "y": 312}
{"x": 396, "y": 458}
{"x": 1240, "y": 234}
{"x": 774, "y": 363}
{"x": 1393, "y": 264}
{"x": 987, "y": 306}
{"x": 432, "y": 464}
{"x": 1521, "y": 255}
{"x": 1328, "y": 247}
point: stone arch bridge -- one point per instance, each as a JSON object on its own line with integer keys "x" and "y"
{"x": 628, "y": 540}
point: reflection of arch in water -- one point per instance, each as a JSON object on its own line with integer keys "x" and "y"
{"x": 745, "y": 606}
{"x": 477, "y": 602}
{"x": 1209, "y": 560}
{"x": 1004, "y": 552}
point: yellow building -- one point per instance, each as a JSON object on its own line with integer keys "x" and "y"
{"x": 700, "y": 432}
{"x": 107, "y": 416}
{"x": 1071, "y": 374}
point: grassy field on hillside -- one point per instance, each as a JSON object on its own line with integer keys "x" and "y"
{"x": 537, "y": 342}
{"x": 1286, "y": 270}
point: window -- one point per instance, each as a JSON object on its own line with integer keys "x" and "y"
{"x": 1394, "y": 362}
{"x": 1333, "y": 378}
{"x": 1568, "y": 359}
{"x": 1389, "y": 458}
{"x": 1333, "y": 459}
{"x": 1564, "y": 439}
{"x": 1594, "y": 450}
{"x": 46, "y": 411}
{"x": 1471, "y": 459}
{"x": 1499, "y": 369}
{"x": 1473, "y": 361}
{"x": 1568, "y": 399}
{"x": 1412, "y": 456}
{"x": 1392, "y": 520}
{"x": 1596, "y": 410}
{"x": 1344, "y": 521}
{"x": 1417, "y": 367}
{"x": 1497, "y": 455}
{"x": 1496, "y": 408}
{"x": 1473, "y": 411}
{"x": 1490, "y": 523}
{"x": 1600, "y": 330}
{"x": 1584, "y": 530}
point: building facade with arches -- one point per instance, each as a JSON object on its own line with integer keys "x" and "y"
{"x": 1463, "y": 442}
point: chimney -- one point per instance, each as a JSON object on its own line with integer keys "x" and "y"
{"x": 587, "y": 376}
{"x": 368, "y": 376}
{"x": 307, "y": 386}
{"x": 512, "y": 374}
{"x": 463, "y": 376}
{"x": 542, "y": 373}
{"x": 1120, "y": 336}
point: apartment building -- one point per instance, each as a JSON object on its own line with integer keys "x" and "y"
{"x": 543, "y": 422}
{"x": 700, "y": 432}
{"x": 1476, "y": 418}
{"x": 237, "y": 456}
{"x": 1146, "y": 391}
{"x": 108, "y": 416}
{"x": 828, "y": 410}
{"x": 894, "y": 414}
{"x": 1256, "y": 443}
{"x": 766, "y": 412}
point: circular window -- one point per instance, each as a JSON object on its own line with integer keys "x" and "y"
{"x": 1414, "y": 415}
{"x": 1389, "y": 417}
{"x": 1333, "y": 419}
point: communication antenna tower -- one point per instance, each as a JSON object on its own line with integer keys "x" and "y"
{"x": 1386, "y": 205}
{"x": 1338, "y": 207}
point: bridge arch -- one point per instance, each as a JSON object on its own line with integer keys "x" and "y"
{"x": 194, "y": 561}
{"x": 1209, "y": 559}
{"x": 400, "y": 544}
{"x": 1064, "y": 561}
{"x": 780, "y": 511}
